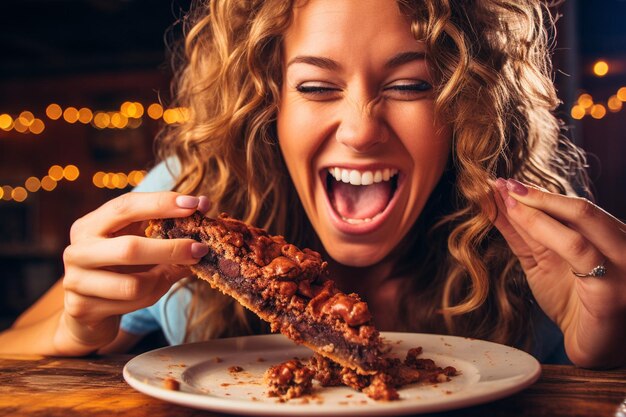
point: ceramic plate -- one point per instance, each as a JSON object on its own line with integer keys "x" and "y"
{"x": 488, "y": 371}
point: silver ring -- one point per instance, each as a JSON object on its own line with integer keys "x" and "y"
{"x": 596, "y": 272}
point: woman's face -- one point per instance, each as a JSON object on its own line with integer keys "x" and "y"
{"x": 356, "y": 125}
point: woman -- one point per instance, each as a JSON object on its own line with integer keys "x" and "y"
{"x": 379, "y": 133}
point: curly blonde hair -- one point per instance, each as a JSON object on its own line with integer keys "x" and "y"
{"x": 491, "y": 62}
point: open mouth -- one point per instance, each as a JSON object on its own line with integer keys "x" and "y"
{"x": 359, "y": 196}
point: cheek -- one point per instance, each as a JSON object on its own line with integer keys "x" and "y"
{"x": 296, "y": 143}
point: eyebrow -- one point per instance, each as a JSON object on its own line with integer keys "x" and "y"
{"x": 332, "y": 65}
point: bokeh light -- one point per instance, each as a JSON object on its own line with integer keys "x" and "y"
{"x": 598, "y": 111}
{"x": 54, "y": 111}
{"x": 48, "y": 183}
{"x": 56, "y": 172}
{"x": 155, "y": 111}
{"x": 32, "y": 184}
{"x": 600, "y": 68}
{"x": 19, "y": 194}
{"x": 71, "y": 172}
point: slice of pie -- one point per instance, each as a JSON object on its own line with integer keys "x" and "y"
{"x": 284, "y": 285}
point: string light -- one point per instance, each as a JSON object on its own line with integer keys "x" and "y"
{"x": 57, "y": 173}
{"x": 598, "y": 111}
{"x": 585, "y": 105}
{"x": 129, "y": 116}
{"x": 600, "y": 68}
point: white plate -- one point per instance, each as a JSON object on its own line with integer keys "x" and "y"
{"x": 488, "y": 371}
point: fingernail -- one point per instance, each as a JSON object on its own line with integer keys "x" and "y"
{"x": 501, "y": 183}
{"x": 204, "y": 204}
{"x": 187, "y": 201}
{"x": 516, "y": 187}
{"x": 510, "y": 202}
{"x": 198, "y": 250}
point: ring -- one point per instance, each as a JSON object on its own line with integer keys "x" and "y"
{"x": 597, "y": 271}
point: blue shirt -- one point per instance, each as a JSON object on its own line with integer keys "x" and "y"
{"x": 169, "y": 314}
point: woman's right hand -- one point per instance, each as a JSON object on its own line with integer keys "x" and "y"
{"x": 111, "y": 268}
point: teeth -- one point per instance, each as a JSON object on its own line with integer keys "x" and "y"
{"x": 354, "y": 177}
{"x": 356, "y": 221}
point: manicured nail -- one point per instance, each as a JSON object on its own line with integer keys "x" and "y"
{"x": 204, "y": 204}
{"x": 501, "y": 183}
{"x": 198, "y": 250}
{"x": 516, "y": 187}
{"x": 187, "y": 201}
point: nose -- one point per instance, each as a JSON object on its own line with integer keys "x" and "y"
{"x": 360, "y": 127}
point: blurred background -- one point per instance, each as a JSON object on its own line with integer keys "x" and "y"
{"x": 84, "y": 88}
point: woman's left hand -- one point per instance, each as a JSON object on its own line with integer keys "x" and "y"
{"x": 574, "y": 257}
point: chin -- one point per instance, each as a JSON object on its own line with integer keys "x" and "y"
{"x": 356, "y": 255}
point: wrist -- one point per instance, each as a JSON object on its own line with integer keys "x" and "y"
{"x": 76, "y": 338}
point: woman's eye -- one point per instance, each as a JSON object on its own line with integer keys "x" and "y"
{"x": 407, "y": 90}
{"x": 319, "y": 91}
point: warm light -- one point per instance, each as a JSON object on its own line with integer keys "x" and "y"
{"x": 5, "y": 121}
{"x": 138, "y": 110}
{"x": 107, "y": 180}
{"x": 1, "y": 193}
{"x": 26, "y": 118}
{"x": 85, "y": 115}
{"x": 19, "y": 126}
{"x": 36, "y": 126}
{"x": 598, "y": 111}
{"x": 600, "y": 68}
{"x": 6, "y": 192}
{"x": 132, "y": 178}
{"x": 614, "y": 104}
{"x": 139, "y": 176}
{"x": 32, "y": 184}
{"x": 585, "y": 101}
{"x": 155, "y": 111}
{"x": 118, "y": 120}
{"x": 48, "y": 183}
{"x": 621, "y": 94}
{"x": 125, "y": 108}
{"x": 578, "y": 112}
{"x": 101, "y": 120}
{"x": 97, "y": 179}
{"x": 19, "y": 194}
{"x": 170, "y": 116}
{"x": 54, "y": 111}
{"x": 56, "y": 172}
{"x": 119, "y": 180}
{"x": 131, "y": 109}
{"x": 70, "y": 115}
{"x": 71, "y": 172}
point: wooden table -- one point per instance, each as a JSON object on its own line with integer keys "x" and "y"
{"x": 93, "y": 386}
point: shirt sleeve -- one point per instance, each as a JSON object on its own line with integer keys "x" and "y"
{"x": 160, "y": 178}
{"x": 169, "y": 315}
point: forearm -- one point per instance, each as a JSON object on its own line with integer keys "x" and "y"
{"x": 58, "y": 335}
{"x": 34, "y": 338}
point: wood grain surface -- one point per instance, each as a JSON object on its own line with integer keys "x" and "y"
{"x": 93, "y": 386}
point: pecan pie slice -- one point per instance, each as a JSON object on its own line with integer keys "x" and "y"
{"x": 282, "y": 284}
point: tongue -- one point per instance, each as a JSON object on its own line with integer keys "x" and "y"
{"x": 360, "y": 201}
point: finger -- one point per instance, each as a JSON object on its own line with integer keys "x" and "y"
{"x": 569, "y": 244}
{"x": 606, "y": 232}
{"x": 134, "y": 250}
{"x": 107, "y": 284}
{"x": 518, "y": 245}
{"x": 93, "y": 308}
{"x": 134, "y": 207}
